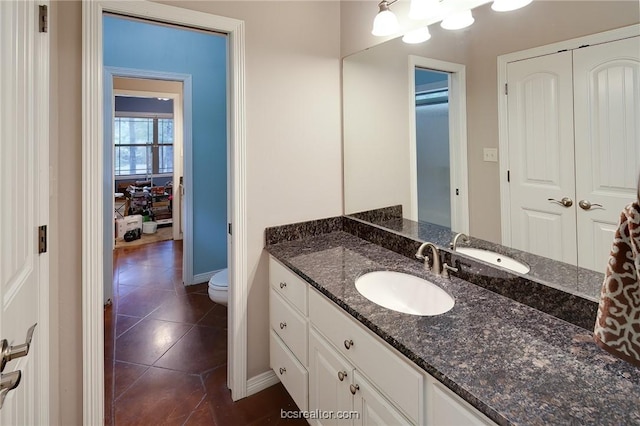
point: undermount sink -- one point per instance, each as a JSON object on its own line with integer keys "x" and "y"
{"x": 404, "y": 293}
{"x": 495, "y": 259}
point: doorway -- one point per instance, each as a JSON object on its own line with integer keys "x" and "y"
{"x": 438, "y": 166}
{"x": 432, "y": 146}
{"x": 94, "y": 214}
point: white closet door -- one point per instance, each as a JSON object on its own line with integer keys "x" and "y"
{"x": 541, "y": 156}
{"x": 607, "y": 138}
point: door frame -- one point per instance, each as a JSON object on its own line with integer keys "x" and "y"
{"x": 183, "y": 110}
{"x": 92, "y": 176}
{"x": 503, "y": 122}
{"x": 457, "y": 139}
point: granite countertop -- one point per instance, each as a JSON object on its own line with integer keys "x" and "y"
{"x": 515, "y": 364}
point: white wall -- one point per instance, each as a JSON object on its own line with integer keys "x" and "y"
{"x": 294, "y": 151}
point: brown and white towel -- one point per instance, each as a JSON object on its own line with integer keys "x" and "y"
{"x": 617, "y": 328}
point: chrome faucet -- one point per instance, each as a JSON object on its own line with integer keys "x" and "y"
{"x": 434, "y": 254}
{"x": 454, "y": 243}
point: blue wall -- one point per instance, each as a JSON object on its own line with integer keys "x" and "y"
{"x": 142, "y": 46}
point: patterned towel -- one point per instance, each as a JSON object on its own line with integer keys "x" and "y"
{"x": 617, "y": 328}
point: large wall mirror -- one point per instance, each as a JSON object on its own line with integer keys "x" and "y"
{"x": 422, "y": 122}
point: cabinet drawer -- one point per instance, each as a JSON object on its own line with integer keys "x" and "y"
{"x": 289, "y": 325}
{"x": 400, "y": 382}
{"x": 292, "y": 374}
{"x": 290, "y": 286}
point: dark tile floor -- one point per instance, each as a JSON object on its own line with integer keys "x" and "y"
{"x": 166, "y": 349}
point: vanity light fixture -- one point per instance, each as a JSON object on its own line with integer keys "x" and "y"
{"x": 385, "y": 22}
{"x": 457, "y": 20}
{"x": 452, "y": 14}
{"x": 508, "y": 5}
{"x": 417, "y": 36}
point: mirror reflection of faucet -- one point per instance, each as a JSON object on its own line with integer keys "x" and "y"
{"x": 454, "y": 242}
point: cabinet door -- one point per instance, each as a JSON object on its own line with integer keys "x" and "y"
{"x": 371, "y": 407}
{"x": 607, "y": 111}
{"x": 541, "y": 156}
{"x": 329, "y": 379}
{"x": 448, "y": 409}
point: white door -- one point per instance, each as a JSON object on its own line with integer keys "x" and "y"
{"x": 25, "y": 205}
{"x": 329, "y": 380}
{"x": 372, "y": 407}
{"x": 541, "y": 157}
{"x": 607, "y": 140}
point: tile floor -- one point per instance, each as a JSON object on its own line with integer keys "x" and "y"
{"x": 166, "y": 349}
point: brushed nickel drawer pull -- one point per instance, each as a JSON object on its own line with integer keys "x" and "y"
{"x": 342, "y": 375}
{"x": 348, "y": 343}
{"x": 283, "y": 285}
{"x": 282, "y": 370}
{"x": 354, "y": 389}
{"x": 283, "y": 325}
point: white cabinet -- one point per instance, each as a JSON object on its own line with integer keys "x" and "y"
{"x": 288, "y": 343}
{"x": 329, "y": 380}
{"x": 330, "y": 363}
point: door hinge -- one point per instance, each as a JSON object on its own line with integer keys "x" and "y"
{"x": 506, "y": 88}
{"x": 457, "y": 191}
{"x": 508, "y": 176}
{"x": 42, "y": 239}
{"x": 43, "y": 18}
{"x": 230, "y": 233}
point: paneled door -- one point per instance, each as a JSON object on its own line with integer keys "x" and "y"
{"x": 541, "y": 156}
{"x": 24, "y": 167}
{"x": 607, "y": 104}
{"x": 573, "y": 112}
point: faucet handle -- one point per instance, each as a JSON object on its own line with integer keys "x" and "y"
{"x": 446, "y": 268}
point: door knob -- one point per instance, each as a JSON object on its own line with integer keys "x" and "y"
{"x": 8, "y": 382}
{"x": 12, "y": 352}
{"x": 566, "y": 201}
{"x": 586, "y": 204}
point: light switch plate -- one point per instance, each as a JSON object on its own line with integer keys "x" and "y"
{"x": 491, "y": 154}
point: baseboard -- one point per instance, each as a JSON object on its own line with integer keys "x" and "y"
{"x": 262, "y": 381}
{"x": 204, "y": 277}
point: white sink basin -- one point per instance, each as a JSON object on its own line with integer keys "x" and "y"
{"x": 495, "y": 259}
{"x": 404, "y": 293}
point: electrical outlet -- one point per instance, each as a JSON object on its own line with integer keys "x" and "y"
{"x": 491, "y": 154}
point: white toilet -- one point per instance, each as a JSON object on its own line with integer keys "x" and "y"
{"x": 219, "y": 287}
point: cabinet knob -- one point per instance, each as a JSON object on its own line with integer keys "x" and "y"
{"x": 354, "y": 389}
{"x": 282, "y": 370}
{"x": 348, "y": 343}
{"x": 283, "y": 325}
{"x": 342, "y": 375}
{"x": 283, "y": 285}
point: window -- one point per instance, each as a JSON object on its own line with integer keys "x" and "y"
{"x": 143, "y": 145}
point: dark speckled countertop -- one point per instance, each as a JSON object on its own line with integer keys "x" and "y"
{"x": 514, "y": 363}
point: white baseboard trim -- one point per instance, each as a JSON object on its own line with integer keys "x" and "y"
{"x": 262, "y": 381}
{"x": 204, "y": 277}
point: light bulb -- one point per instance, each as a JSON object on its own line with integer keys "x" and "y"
{"x": 458, "y": 20}
{"x": 385, "y": 23}
{"x": 508, "y": 5}
{"x": 417, "y": 36}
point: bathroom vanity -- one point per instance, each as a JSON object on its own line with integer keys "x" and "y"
{"x": 488, "y": 360}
